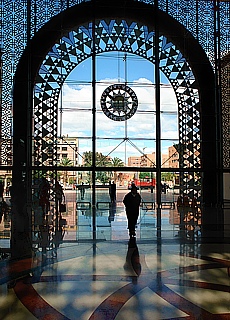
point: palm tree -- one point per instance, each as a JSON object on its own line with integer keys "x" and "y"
{"x": 101, "y": 160}
{"x": 116, "y": 162}
{"x": 65, "y": 162}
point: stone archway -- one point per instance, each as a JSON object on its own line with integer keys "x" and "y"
{"x": 126, "y": 36}
{"x": 177, "y": 44}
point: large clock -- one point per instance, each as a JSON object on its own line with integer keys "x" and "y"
{"x": 119, "y": 102}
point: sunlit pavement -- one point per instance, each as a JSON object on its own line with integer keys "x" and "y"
{"x": 113, "y": 278}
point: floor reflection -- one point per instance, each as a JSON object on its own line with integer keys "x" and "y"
{"x": 119, "y": 280}
{"x": 132, "y": 262}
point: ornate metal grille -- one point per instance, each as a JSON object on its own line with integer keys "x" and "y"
{"x": 224, "y": 28}
{"x": 225, "y": 79}
{"x": 13, "y": 31}
{"x": 196, "y": 16}
{"x": 75, "y": 46}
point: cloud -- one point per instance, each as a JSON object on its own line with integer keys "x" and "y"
{"x": 77, "y": 116}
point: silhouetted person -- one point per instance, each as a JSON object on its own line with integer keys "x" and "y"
{"x": 132, "y": 201}
{"x": 44, "y": 237}
{"x": 179, "y": 201}
{"x": 4, "y": 210}
{"x": 44, "y": 196}
{"x": 58, "y": 192}
{"x": 82, "y": 191}
{"x": 10, "y": 190}
{"x": 110, "y": 194}
{"x": 7, "y": 190}
{"x": 113, "y": 189}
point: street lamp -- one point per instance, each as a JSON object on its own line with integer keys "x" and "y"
{"x": 143, "y": 157}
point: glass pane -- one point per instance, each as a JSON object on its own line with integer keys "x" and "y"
{"x": 170, "y": 156}
{"x": 75, "y": 107}
{"x": 126, "y": 79}
{"x": 169, "y": 125}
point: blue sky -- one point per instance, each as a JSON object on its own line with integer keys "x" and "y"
{"x": 111, "y": 68}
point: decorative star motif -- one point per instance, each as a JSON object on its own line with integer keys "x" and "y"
{"x": 119, "y": 102}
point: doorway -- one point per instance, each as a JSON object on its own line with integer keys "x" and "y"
{"x": 124, "y": 103}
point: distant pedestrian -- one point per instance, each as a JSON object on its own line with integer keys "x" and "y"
{"x": 10, "y": 190}
{"x": 44, "y": 195}
{"x": 113, "y": 190}
{"x": 179, "y": 201}
{"x": 4, "y": 211}
{"x": 58, "y": 190}
{"x": 7, "y": 190}
{"x": 82, "y": 191}
{"x": 132, "y": 201}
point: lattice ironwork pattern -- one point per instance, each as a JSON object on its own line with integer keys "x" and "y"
{"x": 126, "y": 36}
{"x": 205, "y": 29}
{"x": 225, "y": 79}
{"x": 224, "y": 28}
{"x": 13, "y": 30}
{"x": 45, "y": 112}
{"x": 196, "y": 16}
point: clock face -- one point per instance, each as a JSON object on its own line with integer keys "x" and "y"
{"x": 119, "y": 102}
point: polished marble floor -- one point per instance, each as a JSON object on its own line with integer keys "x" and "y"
{"x": 115, "y": 278}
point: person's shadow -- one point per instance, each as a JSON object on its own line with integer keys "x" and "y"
{"x": 132, "y": 263}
